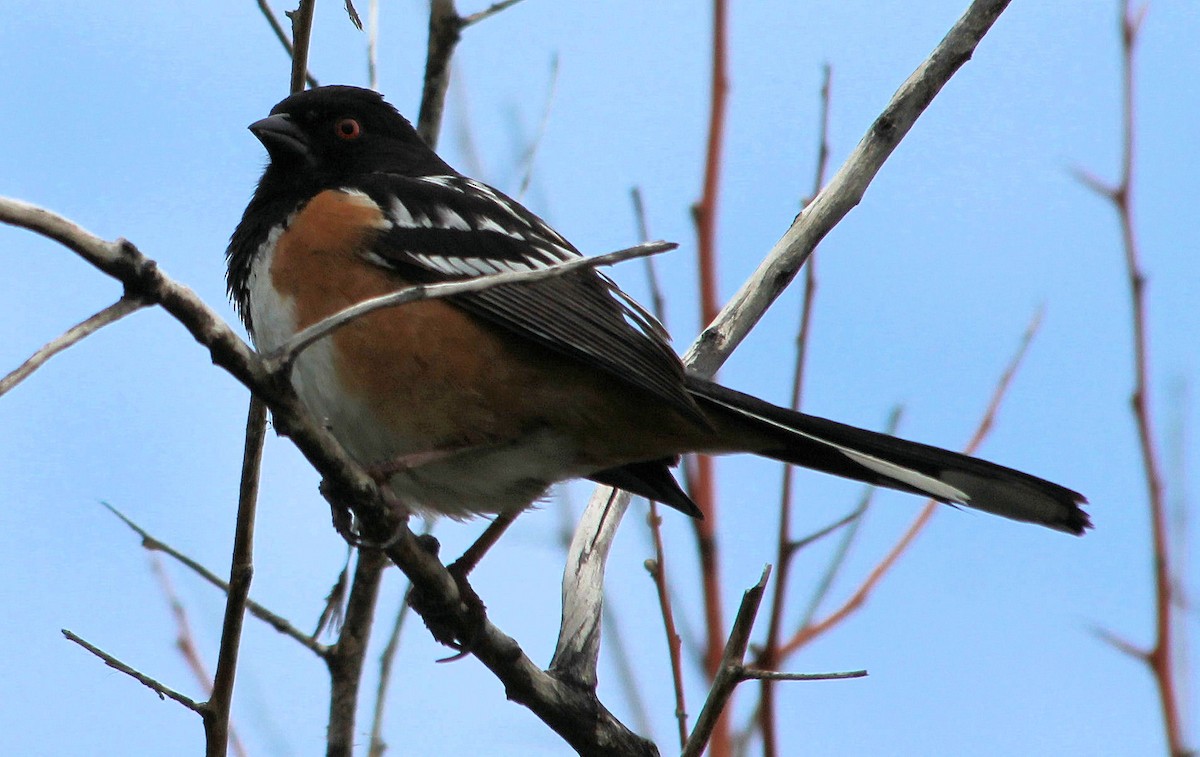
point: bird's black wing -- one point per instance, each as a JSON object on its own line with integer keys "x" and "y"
{"x": 447, "y": 228}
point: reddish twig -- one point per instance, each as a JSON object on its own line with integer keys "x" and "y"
{"x": 1159, "y": 656}
{"x": 700, "y": 474}
{"x": 220, "y": 733}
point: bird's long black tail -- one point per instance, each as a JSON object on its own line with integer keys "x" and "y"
{"x": 884, "y": 460}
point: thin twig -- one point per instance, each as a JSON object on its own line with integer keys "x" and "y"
{"x": 72, "y": 336}
{"x": 785, "y": 544}
{"x": 282, "y": 359}
{"x": 753, "y": 674}
{"x": 658, "y": 568}
{"x": 164, "y": 692}
{"x": 387, "y": 659}
{"x": 346, "y": 658}
{"x": 373, "y": 44}
{"x": 217, "y": 730}
{"x": 282, "y": 36}
{"x": 1160, "y": 656}
{"x": 658, "y": 571}
{"x": 531, "y": 150}
{"x": 353, "y": 14}
{"x": 1121, "y": 644}
{"x": 658, "y": 305}
{"x": 844, "y": 190}
{"x": 185, "y": 639}
{"x": 445, "y": 27}
{"x": 488, "y": 12}
{"x": 280, "y": 624}
{"x": 301, "y": 36}
{"x": 700, "y": 471}
{"x": 729, "y": 671}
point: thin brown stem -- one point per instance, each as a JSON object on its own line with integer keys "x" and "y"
{"x": 658, "y": 571}
{"x": 784, "y": 550}
{"x": 658, "y": 304}
{"x": 241, "y": 571}
{"x": 729, "y": 672}
{"x": 164, "y": 692}
{"x": 279, "y": 623}
{"x": 346, "y": 658}
{"x": 1159, "y": 657}
{"x": 301, "y": 36}
{"x": 282, "y": 36}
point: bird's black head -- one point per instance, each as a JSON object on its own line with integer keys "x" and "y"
{"x": 327, "y": 136}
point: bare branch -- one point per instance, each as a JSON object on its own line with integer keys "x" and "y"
{"x": 301, "y": 36}
{"x": 217, "y": 729}
{"x": 1160, "y": 657}
{"x": 353, "y": 14}
{"x": 280, "y": 624}
{"x": 282, "y": 359}
{"x": 164, "y": 692}
{"x": 578, "y": 646}
{"x": 844, "y": 191}
{"x": 488, "y": 12}
{"x": 658, "y": 571}
{"x": 282, "y": 36}
{"x": 445, "y": 28}
{"x": 72, "y": 336}
{"x": 346, "y": 658}
{"x": 729, "y": 674}
{"x": 753, "y": 674}
{"x": 575, "y": 713}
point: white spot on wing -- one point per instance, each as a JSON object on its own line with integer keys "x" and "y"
{"x": 400, "y": 214}
{"x": 448, "y": 182}
{"x": 452, "y": 220}
{"x": 487, "y": 223}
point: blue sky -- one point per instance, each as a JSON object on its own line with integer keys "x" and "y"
{"x": 130, "y": 119}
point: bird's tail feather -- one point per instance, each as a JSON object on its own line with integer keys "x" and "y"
{"x": 884, "y": 460}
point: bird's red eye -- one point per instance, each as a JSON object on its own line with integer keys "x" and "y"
{"x": 348, "y": 129}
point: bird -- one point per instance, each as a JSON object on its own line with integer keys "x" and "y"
{"x": 477, "y": 403}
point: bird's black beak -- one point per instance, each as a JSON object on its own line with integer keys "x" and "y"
{"x": 280, "y": 135}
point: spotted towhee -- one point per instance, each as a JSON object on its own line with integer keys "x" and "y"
{"x": 478, "y": 403}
